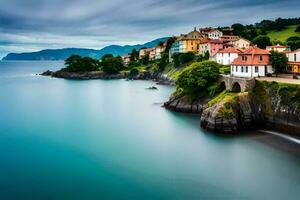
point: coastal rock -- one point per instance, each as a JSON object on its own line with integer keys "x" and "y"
{"x": 212, "y": 120}
{"x": 230, "y": 115}
{"x": 182, "y": 104}
{"x": 152, "y": 88}
{"x": 47, "y": 73}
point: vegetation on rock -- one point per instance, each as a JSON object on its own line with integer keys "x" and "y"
{"x": 77, "y": 63}
{"x": 196, "y": 79}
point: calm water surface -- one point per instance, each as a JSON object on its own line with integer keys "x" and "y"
{"x": 62, "y": 139}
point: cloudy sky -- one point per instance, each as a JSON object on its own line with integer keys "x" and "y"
{"x": 30, "y": 25}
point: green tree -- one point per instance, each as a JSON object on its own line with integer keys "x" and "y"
{"x": 76, "y": 63}
{"x": 134, "y": 72}
{"x": 186, "y": 57}
{"x": 278, "y": 61}
{"x": 294, "y": 42}
{"x": 145, "y": 60}
{"x": 196, "y": 79}
{"x": 176, "y": 60}
{"x": 162, "y": 63}
{"x": 134, "y": 55}
{"x": 206, "y": 55}
{"x": 297, "y": 29}
{"x": 112, "y": 65}
{"x": 106, "y": 56}
{"x": 74, "y": 59}
{"x": 262, "y": 41}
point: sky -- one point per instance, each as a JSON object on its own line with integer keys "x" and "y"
{"x": 32, "y": 25}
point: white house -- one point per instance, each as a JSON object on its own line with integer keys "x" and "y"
{"x": 214, "y": 34}
{"x": 227, "y": 56}
{"x": 278, "y": 48}
{"x": 253, "y": 62}
{"x": 158, "y": 51}
{"x": 241, "y": 43}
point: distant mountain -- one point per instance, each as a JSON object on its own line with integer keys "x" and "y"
{"x": 62, "y": 54}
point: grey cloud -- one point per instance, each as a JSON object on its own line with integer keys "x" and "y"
{"x": 37, "y": 24}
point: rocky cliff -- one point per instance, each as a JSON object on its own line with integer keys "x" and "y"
{"x": 270, "y": 105}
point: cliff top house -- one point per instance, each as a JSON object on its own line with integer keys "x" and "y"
{"x": 227, "y": 56}
{"x": 253, "y": 62}
{"x": 144, "y": 52}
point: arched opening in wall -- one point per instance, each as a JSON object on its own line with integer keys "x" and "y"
{"x": 236, "y": 87}
{"x": 222, "y": 86}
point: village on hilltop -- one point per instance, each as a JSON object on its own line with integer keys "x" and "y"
{"x": 245, "y": 59}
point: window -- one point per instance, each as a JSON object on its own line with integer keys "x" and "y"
{"x": 236, "y": 68}
{"x": 244, "y": 58}
{"x": 256, "y": 69}
{"x": 242, "y": 69}
{"x": 247, "y": 69}
{"x": 295, "y": 58}
{"x": 260, "y": 58}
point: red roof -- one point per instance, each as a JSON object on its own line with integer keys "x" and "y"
{"x": 231, "y": 50}
{"x": 206, "y": 40}
{"x": 256, "y": 51}
{"x": 253, "y": 55}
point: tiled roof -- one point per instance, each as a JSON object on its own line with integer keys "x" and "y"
{"x": 231, "y": 50}
{"x": 256, "y": 51}
{"x": 253, "y": 57}
{"x": 206, "y": 40}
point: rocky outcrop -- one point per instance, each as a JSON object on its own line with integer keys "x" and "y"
{"x": 270, "y": 105}
{"x": 184, "y": 105}
{"x": 86, "y": 75}
{"x": 230, "y": 115}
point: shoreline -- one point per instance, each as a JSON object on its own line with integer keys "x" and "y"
{"x": 173, "y": 104}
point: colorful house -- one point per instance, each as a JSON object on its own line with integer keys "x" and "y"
{"x": 190, "y": 42}
{"x": 241, "y": 43}
{"x": 175, "y": 47}
{"x": 294, "y": 61}
{"x": 210, "y": 46}
{"x": 253, "y": 62}
{"x": 144, "y": 52}
{"x": 227, "y": 56}
{"x": 214, "y": 34}
{"x": 159, "y": 49}
{"x": 126, "y": 59}
{"x": 278, "y": 48}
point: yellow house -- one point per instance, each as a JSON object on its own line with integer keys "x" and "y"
{"x": 190, "y": 42}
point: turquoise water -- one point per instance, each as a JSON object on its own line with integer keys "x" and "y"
{"x": 62, "y": 139}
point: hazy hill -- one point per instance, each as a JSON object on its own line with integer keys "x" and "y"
{"x": 62, "y": 54}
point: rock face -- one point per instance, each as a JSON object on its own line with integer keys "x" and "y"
{"x": 269, "y": 105}
{"x": 230, "y": 115}
{"x": 182, "y": 104}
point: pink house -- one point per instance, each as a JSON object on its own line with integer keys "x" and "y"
{"x": 212, "y": 46}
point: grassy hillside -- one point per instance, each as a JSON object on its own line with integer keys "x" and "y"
{"x": 284, "y": 34}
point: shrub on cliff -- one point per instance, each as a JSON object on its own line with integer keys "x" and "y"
{"x": 196, "y": 79}
{"x": 77, "y": 63}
